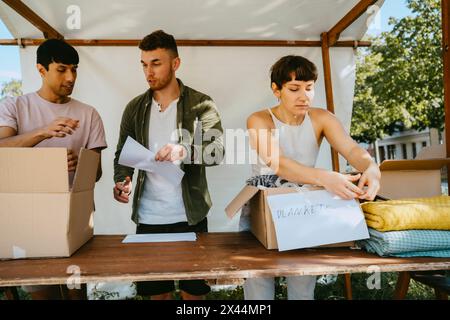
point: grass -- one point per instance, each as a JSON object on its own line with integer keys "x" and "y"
{"x": 333, "y": 291}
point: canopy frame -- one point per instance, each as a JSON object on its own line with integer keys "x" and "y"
{"x": 328, "y": 39}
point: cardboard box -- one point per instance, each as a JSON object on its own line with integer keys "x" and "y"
{"x": 39, "y": 215}
{"x": 420, "y": 177}
{"x": 262, "y": 225}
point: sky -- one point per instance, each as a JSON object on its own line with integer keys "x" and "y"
{"x": 10, "y": 62}
{"x": 390, "y": 8}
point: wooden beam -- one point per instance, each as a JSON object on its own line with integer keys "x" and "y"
{"x": 329, "y": 90}
{"x": 354, "y": 44}
{"x": 357, "y": 11}
{"x": 190, "y": 43}
{"x": 23, "y": 10}
{"x": 445, "y": 6}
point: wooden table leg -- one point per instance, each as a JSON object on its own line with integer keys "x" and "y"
{"x": 401, "y": 288}
{"x": 440, "y": 294}
{"x": 11, "y": 293}
{"x": 348, "y": 286}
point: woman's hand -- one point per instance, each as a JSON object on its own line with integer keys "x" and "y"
{"x": 342, "y": 184}
{"x": 370, "y": 178}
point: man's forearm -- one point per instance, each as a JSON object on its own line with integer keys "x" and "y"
{"x": 29, "y": 139}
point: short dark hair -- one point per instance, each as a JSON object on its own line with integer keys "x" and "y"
{"x": 56, "y": 50}
{"x": 159, "y": 40}
{"x": 288, "y": 66}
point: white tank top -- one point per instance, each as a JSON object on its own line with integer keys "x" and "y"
{"x": 297, "y": 142}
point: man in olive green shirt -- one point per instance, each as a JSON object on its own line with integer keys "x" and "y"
{"x": 180, "y": 125}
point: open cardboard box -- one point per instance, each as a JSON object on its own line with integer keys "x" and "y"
{"x": 420, "y": 177}
{"x": 40, "y": 216}
{"x": 262, "y": 225}
{"x": 416, "y": 178}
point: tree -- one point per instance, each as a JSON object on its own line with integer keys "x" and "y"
{"x": 401, "y": 80}
{"x": 369, "y": 118}
{"x": 12, "y": 88}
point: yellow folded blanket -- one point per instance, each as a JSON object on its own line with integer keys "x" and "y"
{"x": 406, "y": 214}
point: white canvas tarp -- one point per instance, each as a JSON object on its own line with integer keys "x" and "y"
{"x": 237, "y": 78}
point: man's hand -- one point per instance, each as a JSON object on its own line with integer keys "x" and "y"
{"x": 342, "y": 185}
{"x": 72, "y": 160}
{"x": 171, "y": 152}
{"x": 60, "y": 127}
{"x": 122, "y": 190}
{"x": 370, "y": 178}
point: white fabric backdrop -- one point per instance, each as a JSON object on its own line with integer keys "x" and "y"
{"x": 236, "y": 78}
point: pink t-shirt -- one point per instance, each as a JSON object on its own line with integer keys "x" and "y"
{"x": 29, "y": 112}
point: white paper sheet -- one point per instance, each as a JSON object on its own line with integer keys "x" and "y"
{"x": 137, "y": 156}
{"x": 160, "y": 237}
{"x": 313, "y": 218}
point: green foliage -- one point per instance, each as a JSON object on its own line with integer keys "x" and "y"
{"x": 335, "y": 291}
{"x": 11, "y": 88}
{"x": 234, "y": 294}
{"x": 369, "y": 118}
{"x": 104, "y": 295}
{"x": 399, "y": 82}
{"x": 361, "y": 291}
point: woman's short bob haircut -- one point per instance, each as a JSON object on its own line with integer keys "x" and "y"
{"x": 292, "y": 67}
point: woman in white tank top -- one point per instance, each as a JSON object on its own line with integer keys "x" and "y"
{"x": 300, "y": 130}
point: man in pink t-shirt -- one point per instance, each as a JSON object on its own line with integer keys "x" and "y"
{"x": 50, "y": 118}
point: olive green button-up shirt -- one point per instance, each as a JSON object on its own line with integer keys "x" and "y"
{"x": 199, "y": 131}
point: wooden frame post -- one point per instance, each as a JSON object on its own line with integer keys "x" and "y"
{"x": 330, "y": 39}
{"x": 445, "y": 6}
{"x": 329, "y": 90}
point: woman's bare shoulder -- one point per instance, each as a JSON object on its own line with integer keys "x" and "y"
{"x": 320, "y": 115}
{"x": 260, "y": 118}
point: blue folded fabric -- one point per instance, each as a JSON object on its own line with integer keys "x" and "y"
{"x": 408, "y": 243}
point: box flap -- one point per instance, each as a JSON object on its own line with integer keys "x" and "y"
{"x": 280, "y": 190}
{"x": 238, "y": 202}
{"x": 81, "y": 221}
{"x": 410, "y": 184}
{"x": 429, "y": 164}
{"x": 432, "y": 152}
{"x": 283, "y": 190}
{"x": 86, "y": 171}
{"x": 25, "y": 170}
{"x": 33, "y": 224}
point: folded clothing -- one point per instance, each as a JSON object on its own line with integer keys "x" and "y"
{"x": 262, "y": 181}
{"x": 407, "y": 214}
{"x": 409, "y": 243}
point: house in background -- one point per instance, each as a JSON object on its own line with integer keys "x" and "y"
{"x": 406, "y": 144}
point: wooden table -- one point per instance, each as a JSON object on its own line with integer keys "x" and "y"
{"x": 212, "y": 256}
